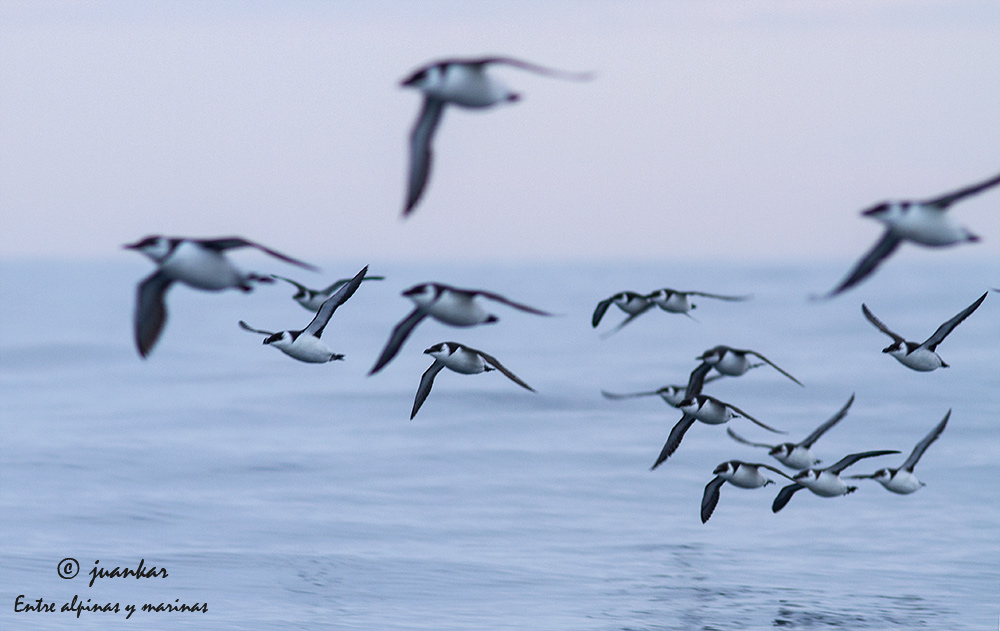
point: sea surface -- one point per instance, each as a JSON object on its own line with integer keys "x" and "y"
{"x": 281, "y": 495}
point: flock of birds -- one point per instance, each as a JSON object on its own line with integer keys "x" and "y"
{"x": 203, "y": 264}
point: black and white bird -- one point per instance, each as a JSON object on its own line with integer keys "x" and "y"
{"x": 306, "y": 345}
{"x": 448, "y": 305}
{"x": 461, "y": 359}
{"x": 916, "y": 356}
{"x": 671, "y": 395}
{"x": 923, "y": 222}
{"x": 745, "y": 475}
{"x": 798, "y": 455}
{"x": 824, "y": 482}
{"x": 313, "y": 299}
{"x": 732, "y": 362}
{"x": 197, "y": 263}
{"x": 708, "y": 410}
{"x": 465, "y": 83}
{"x": 630, "y": 302}
{"x": 902, "y": 480}
{"x": 675, "y": 301}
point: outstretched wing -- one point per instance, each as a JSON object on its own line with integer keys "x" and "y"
{"x": 231, "y": 243}
{"x": 531, "y": 67}
{"x": 811, "y": 438}
{"x": 720, "y": 297}
{"x": 943, "y": 330}
{"x": 599, "y": 312}
{"x": 420, "y": 150}
{"x": 848, "y": 460}
{"x": 711, "y": 497}
{"x": 871, "y": 260}
{"x": 748, "y": 417}
{"x": 946, "y": 200}
{"x": 881, "y": 325}
{"x": 340, "y": 283}
{"x": 697, "y": 380}
{"x": 784, "y": 495}
{"x": 426, "y": 381}
{"x": 740, "y": 439}
{"x": 674, "y": 439}
{"x": 631, "y": 316}
{"x": 303, "y": 290}
{"x": 925, "y": 443}
{"x": 150, "y": 311}
{"x": 399, "y": 334}
{"x": 492, "y": 361}
{"x": 247, "y": 327}
{"x": 510, "y": 303}
{"x": 772, "y": 365}
{"x": 330, "y": 304}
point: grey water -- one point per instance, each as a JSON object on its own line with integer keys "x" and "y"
{"x": 290, "y": 496}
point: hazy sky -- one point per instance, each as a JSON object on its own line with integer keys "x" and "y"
{"x": 735, "y": 129}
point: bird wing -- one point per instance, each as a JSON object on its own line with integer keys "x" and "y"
{"x": 599, "y": 312}
{"x": 337, "y": 285}
{"x": 531, "y": 67}
{"x": 848, "y": 460}
{"x": 811, "y": 438}
{"x": 740, "y": 439}
{"x": 748, "y": 417}
{"x": 510, "y": 303}
{"x": 946, "y": 200}
{"x": 426, "y": 381}
{"x": 770, "y": 468}
{"x": 772, "y": 365}
{"x": 231, "y": 243}
{"x": 420, "y": 150}
{"x": 399, "y": 334}
{"x": 784, "y": 495}
{"x": 247, "y": 327}
{"x": 697, "y": 380}
{"x": 628, "y": 395}
{"x": 330, "y": 304}
{"x": 492, "y": 361}
{"x": 720, "y": 297}
{"x": 631, "y": 316}
{"x": 674, "y": 439}
{"x": 880, "y": 325}
{"x": 150, "y": 311}
{"x": 872, "y": 259}
{"x": 943, "y": 330}
{"x": 711, "y": 497}
{"x": 925, "y": 443}
{"x": 302, "y": 288}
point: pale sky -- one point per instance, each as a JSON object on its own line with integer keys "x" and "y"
{"x": 731, "y": 129}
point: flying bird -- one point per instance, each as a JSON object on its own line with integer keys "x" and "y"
{"x": 306, "y": 345}
{"x": 921, "y": 357}
{"x": 197, "y": 263}
{"x": 675, "y": 301}
{"x": 628, "y": 301}
{"x": 823, "y": 482}
{"x": 708, "y": 410}
{"x": 728, "y": 361}
{"x": 446, "y": 304}
{"x": 798, "y": 455}
{"x": 745, "y": 475}
{"x": 312, "y": 299}
{"x": 921, "y": 222}
{"x": 465, "y": 83}
{"x": 461, "y": 359}
{"x": 902, "y": 480}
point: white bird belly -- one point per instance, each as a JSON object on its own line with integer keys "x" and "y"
{"x": 799, "y": 458}
{"x": 733, "y": 365}
{"x": 676, "y": 303}
{"x": 827, "y": 485}
{"x": 201, "y": 268}
{"x": 713, "y": 413}
{"x": 932, "y": 228}
{"x": 903, "y": 483}
{"x": 465, "y": 362}
{"x": 468, "y": 87}
{"x": 457, "y": 310}
{"x": 747, "y": 478}
{"x": 922, "y": 360}
{"x": 307, "y": 348}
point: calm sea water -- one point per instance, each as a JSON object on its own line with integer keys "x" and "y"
{"x": 294, "y": 496}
